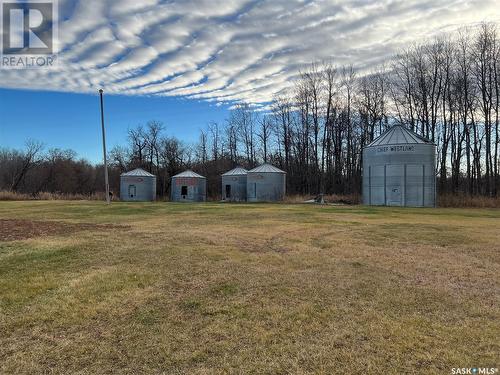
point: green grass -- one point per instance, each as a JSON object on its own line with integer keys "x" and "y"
{"x": 211, "y": 288}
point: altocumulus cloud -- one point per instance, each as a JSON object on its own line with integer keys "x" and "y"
{"x": 232, "y": 50}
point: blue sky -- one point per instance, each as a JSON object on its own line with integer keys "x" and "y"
{"x": 185, "y": 62}
{"x": 72, "y": 121}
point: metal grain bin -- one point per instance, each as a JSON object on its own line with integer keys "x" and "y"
{"x": 399, "y": 170}
{"x": 189, "y": 187}
{"x": 266, "y": 184}
{"x": 137, "y": 185}
{"x": 234, "y": 185}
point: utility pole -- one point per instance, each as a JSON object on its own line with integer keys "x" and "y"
{"x": 106, "y": 177}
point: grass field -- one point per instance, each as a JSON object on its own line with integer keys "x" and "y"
{"x": 262, "y": 289}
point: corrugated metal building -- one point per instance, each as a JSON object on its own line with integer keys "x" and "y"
{"x": 266, "y": 184}
{"x": 189, "y": 186}
{"x": 234, "y": 185}
{"x": 399, "y": 170}
{"x": 137, "y": 185}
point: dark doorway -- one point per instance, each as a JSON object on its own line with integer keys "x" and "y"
{"x": 184, "y": 191}
{"x": 131, "y": 191}
{"x": 228, "y": 191}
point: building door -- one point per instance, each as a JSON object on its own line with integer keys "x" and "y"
{"x": 132, "y": 191}
{"x": 394, "y": 176}
{"x": 184, "y": 192}
{"x": 228, "y": 191}
{"x": 394, "y": 196}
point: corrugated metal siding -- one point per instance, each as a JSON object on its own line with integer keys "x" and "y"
{"x": 266, "y": 187}
{"x": 400, "y": 175}
{"x": 137, "y": 188}
{"x": 195, "y": 189}
{"x": 237, "y": 188}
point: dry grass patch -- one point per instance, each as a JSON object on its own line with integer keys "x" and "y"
{"x": 14, "y": 229}
{"x": 258, "y": 289}
{"x": 46, "y": 196}
{"x": 464, "y": 200}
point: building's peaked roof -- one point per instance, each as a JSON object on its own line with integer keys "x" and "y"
{"x": 266, "y": 168}
{"x": 398, "y": 134}
{"x": 138, "y": 173}
{"x": 190, "y": 174}
{"x": 238, "y": 171}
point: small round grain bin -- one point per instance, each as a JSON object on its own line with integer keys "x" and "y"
{"x": 234, "y": 185}
{"x": 189, "y": 186}
{"x": 266, "y": 184}
{"x": 137, "y": 185}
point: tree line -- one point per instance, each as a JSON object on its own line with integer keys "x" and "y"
{"x": 446, "y": 90}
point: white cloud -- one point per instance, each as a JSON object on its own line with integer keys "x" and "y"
{"x": 233, "y": 50}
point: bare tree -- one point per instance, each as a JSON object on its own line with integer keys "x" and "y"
{"x": 264, "y": 136}
{"x": 28, "y": 160}
{"x": 138, "y": 141}
{"x": 242, "y": 118}
{"x": 202, "y": 147}
{"x": 216, "y": 140}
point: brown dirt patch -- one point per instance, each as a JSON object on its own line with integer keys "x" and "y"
{"x": 13, "y": 230}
